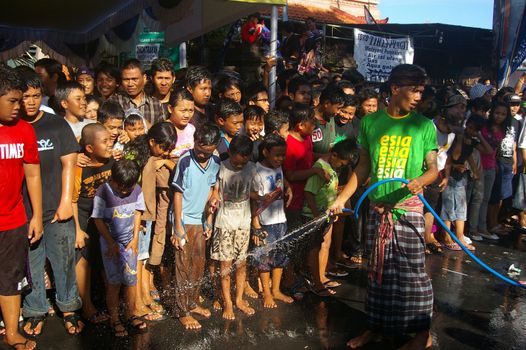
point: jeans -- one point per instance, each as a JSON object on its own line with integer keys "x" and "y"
{"x": 475, "y": 194}
{"x": 489, "y": 179}
{"x": 58, "y": 246}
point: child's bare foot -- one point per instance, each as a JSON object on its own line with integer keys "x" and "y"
{"x": 228, "y": 312}
{"x": 361, "y": 340}
{"x": 189, "y": 322}
{"x": 250, "y": 292}
{"x": 282, "y": 297}
{"x": 216, "y": 305}
{"x": 268, "y": 302}
{"x": 244, "y": 306}
{"x": 201, "y": 311}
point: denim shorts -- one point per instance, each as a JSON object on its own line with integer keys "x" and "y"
{"x": 503, "y": 186}
{"x": 454, "y": 204}
{"x": 272, "y": 255}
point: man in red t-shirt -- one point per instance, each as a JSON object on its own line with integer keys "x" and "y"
{"x": 18, "y": 157}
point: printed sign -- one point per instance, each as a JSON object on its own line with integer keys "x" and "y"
{"x": 376, "y": 56}
{"x": 146, "y": 53}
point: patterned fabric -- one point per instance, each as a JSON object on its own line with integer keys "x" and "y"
{"x": 151, "y": 108}
{"x": 229, "y": 245}
{"x": 388, "y": 215}
{"x": 403, "y": 303}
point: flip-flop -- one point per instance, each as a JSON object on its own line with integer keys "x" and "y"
{"x": 332, "y": 284}
{"x": 452, "y": 246}
{"x": 34, "y": 322}
{"x": 16, "y": 345}
{"x": 323, "y": 292}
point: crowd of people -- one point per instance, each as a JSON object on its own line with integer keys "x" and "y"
{"x": 127, "y": 182}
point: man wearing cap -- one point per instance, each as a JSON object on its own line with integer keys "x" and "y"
{"x": 480, "y": 90}
{"x": 86, "y": 78}
{"x": 396, "y": 142}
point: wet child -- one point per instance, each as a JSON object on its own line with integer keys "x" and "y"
{"x": 96, "y": 144}
{"x": 229, "y": 118}
{"x": 269, "y": 223}
{"x": 193, "y": 183}
{"x": 253, "y": 128}
{"x": 231, "y": 236}
{"x": 277, "y": 122}
{"x": 117, "y": 209}
{"x": 111, "y": 116}
{"x": 299, "y": 160}
{"x": 152, "y": 154}
{"x": 181, "y": 112}
{"x": 319, "y": 195}
{"x": 72, "y": 100}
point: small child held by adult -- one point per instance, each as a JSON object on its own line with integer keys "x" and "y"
{"x": 193, "y": 184}
{"x": 269, "y": 223}
{"x": 231, "y": 236}
{"x": 117, "y": 210}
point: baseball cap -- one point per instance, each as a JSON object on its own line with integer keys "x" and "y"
{"x": 513, "y": 99}
{"x": 455, "y": 100}
{"x": 85, "y": 70}
{"x": 478, "y": 90}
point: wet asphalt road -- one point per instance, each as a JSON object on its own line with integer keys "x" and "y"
{"x": 473, "y": 310}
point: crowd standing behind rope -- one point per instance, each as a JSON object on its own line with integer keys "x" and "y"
{"x": 136, "y": 180}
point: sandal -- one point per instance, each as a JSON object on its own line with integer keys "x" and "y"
{"x": 119, "y": 333}
{"x": 155, "y": 295}
{"x": 157, "y": 308}
{"x": 452, "y": 246}
{"x": 356, "y": 259}
{"x": 323, "y": 292}
{"x": 152, "y": 317}
{"x": 332, "y": 284}
{"x": 136, "y": 325}
{"x": 434, "y": 247}
{"x": 337, "y": 273}
{"x": 33, "y": 324}
{"x": 74, "y": 320}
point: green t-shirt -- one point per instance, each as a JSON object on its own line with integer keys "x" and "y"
{"x": 324, "y": 192}
{"x": 397, "y": 147}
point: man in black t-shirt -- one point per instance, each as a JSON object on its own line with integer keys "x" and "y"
{"x": 57, "y": 148}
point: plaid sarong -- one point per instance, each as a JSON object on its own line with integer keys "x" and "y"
{"x": 403, "y": 302}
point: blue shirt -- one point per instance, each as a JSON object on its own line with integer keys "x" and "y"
{"x": 194, "y": 182}
{"x": 118, "y": 212}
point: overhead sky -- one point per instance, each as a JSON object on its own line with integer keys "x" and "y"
{"x": 470, "y": 13}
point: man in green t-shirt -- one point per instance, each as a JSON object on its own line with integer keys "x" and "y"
{"x": 396, "y": 142}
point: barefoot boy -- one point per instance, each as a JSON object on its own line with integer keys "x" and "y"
{"x": 232, "y": 223}
{"x": 193, "y": 184}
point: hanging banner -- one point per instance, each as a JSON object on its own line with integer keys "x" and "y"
{"x": 376, "y": 56}
{"x": 518, "y": 55}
